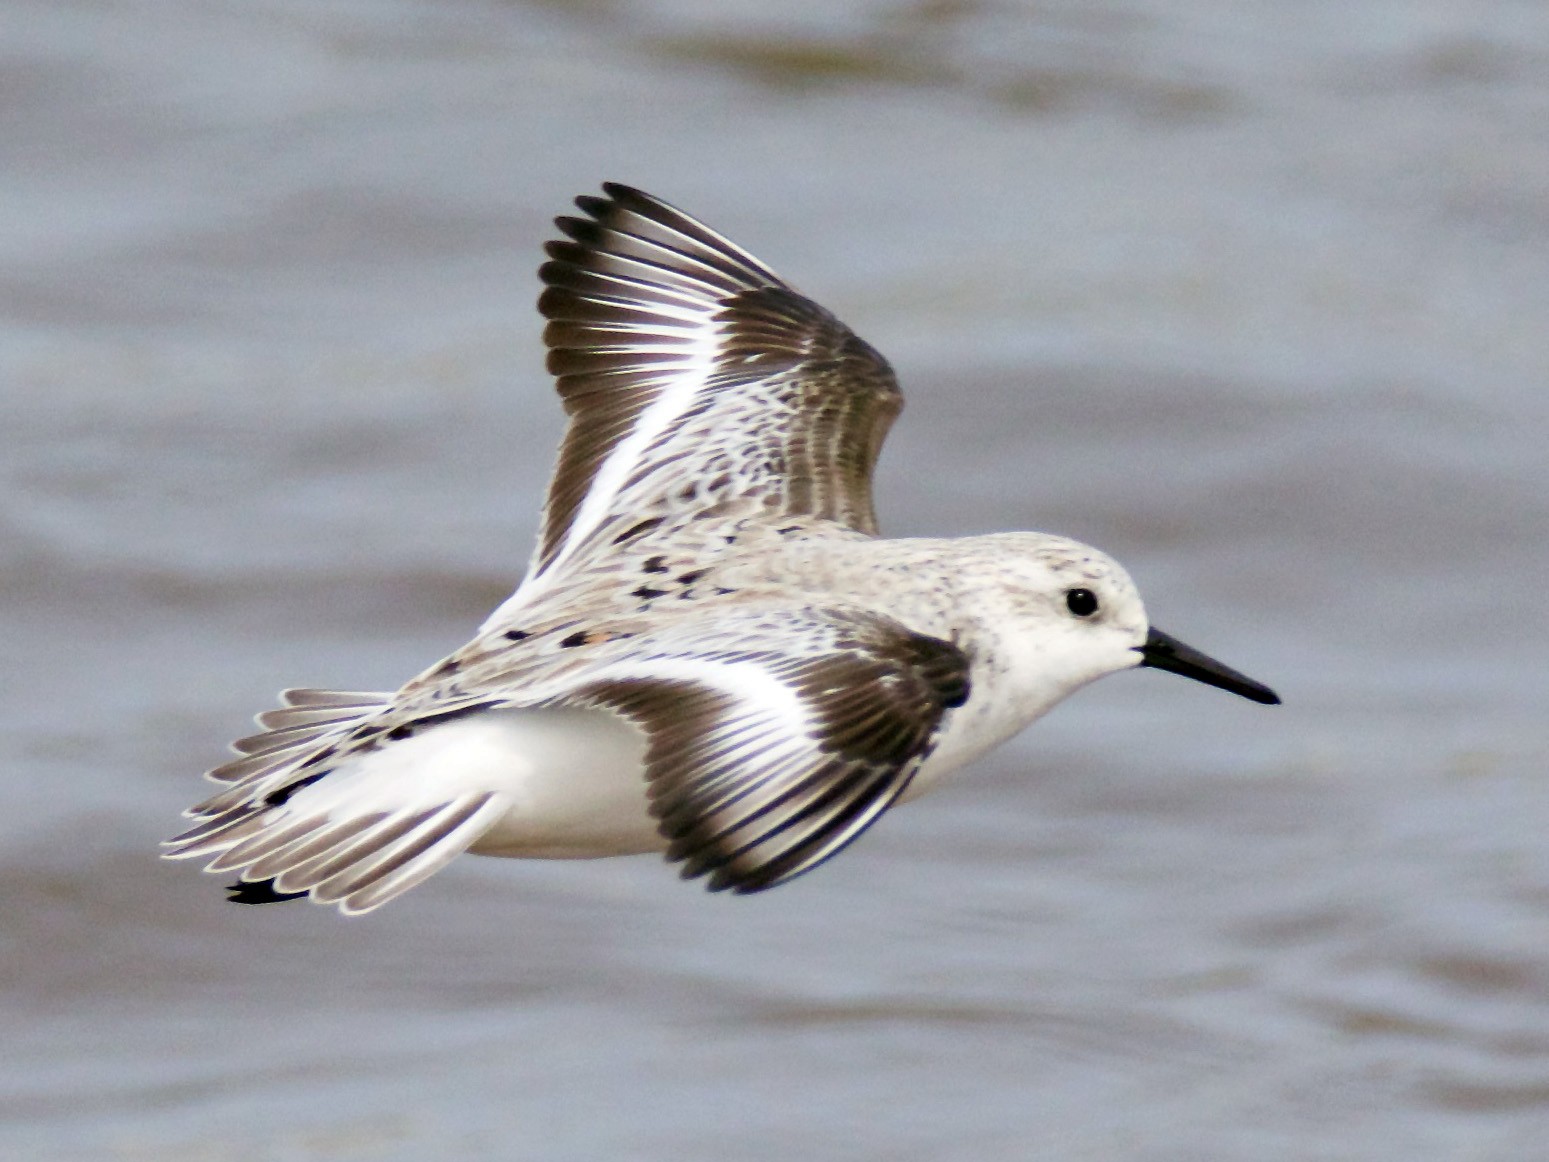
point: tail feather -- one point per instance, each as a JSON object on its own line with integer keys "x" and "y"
{"x": 358, "y": 863}
{"x": 249, "y": 768}
{"x": 285, "y": 738}
{"x": 315, "y": 843}
{"x": 266, "y": 839}
{"x": 306, "y": 696}
{"x": 396, "y": 876}
{"x": 432, "y": 828}
{"x": 338, "y": 847}
{"x": 243, "y": 795}
{"x": 209, "y": 835}
{"x": 293, "y": 730}
{"x": 307, "y": 811}
{"x": 273, "y": 856}
{"x": 288, "y": 716}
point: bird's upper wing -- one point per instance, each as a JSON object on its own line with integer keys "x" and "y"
{"x": 694, "y": 376}
{"x": 776, "y": 737}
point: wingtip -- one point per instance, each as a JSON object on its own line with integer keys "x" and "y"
{"x": 258, "y": 892}
{"x": 637, "y": 201}
{"x": 620, "y": 192}
{"x": 614, "y": 194}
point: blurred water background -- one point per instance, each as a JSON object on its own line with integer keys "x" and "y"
{"x": 1255, "y": 296}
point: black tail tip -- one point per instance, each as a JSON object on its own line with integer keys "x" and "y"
{"x": 258, "y": 892}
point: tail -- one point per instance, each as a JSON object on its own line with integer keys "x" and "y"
{"x": 304, "y": 815}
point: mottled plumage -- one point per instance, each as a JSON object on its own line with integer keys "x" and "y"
{"x": 713, "y": 654}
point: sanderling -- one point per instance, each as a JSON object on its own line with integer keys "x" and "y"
{"x": 713, "y": 653}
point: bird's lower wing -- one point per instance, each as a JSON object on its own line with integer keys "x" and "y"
{"x": 777, "y": 737}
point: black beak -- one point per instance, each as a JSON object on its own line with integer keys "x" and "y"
{"x": 1165, "y": 652}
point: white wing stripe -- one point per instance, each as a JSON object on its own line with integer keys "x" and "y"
{"x": 616, "y": 469}
{"x": 689, "y": 378}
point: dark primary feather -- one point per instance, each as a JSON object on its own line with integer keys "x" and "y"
{"x": 308, "y": 719}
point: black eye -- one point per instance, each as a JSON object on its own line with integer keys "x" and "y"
{"x": 1081, "y": 602}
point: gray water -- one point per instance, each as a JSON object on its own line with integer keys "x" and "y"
{"x": 1255, "y": 296}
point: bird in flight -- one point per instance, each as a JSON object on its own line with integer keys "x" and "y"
{"x": 714, "y": 653}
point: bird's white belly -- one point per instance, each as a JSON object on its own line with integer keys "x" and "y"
{"x": 573, "y": 779}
